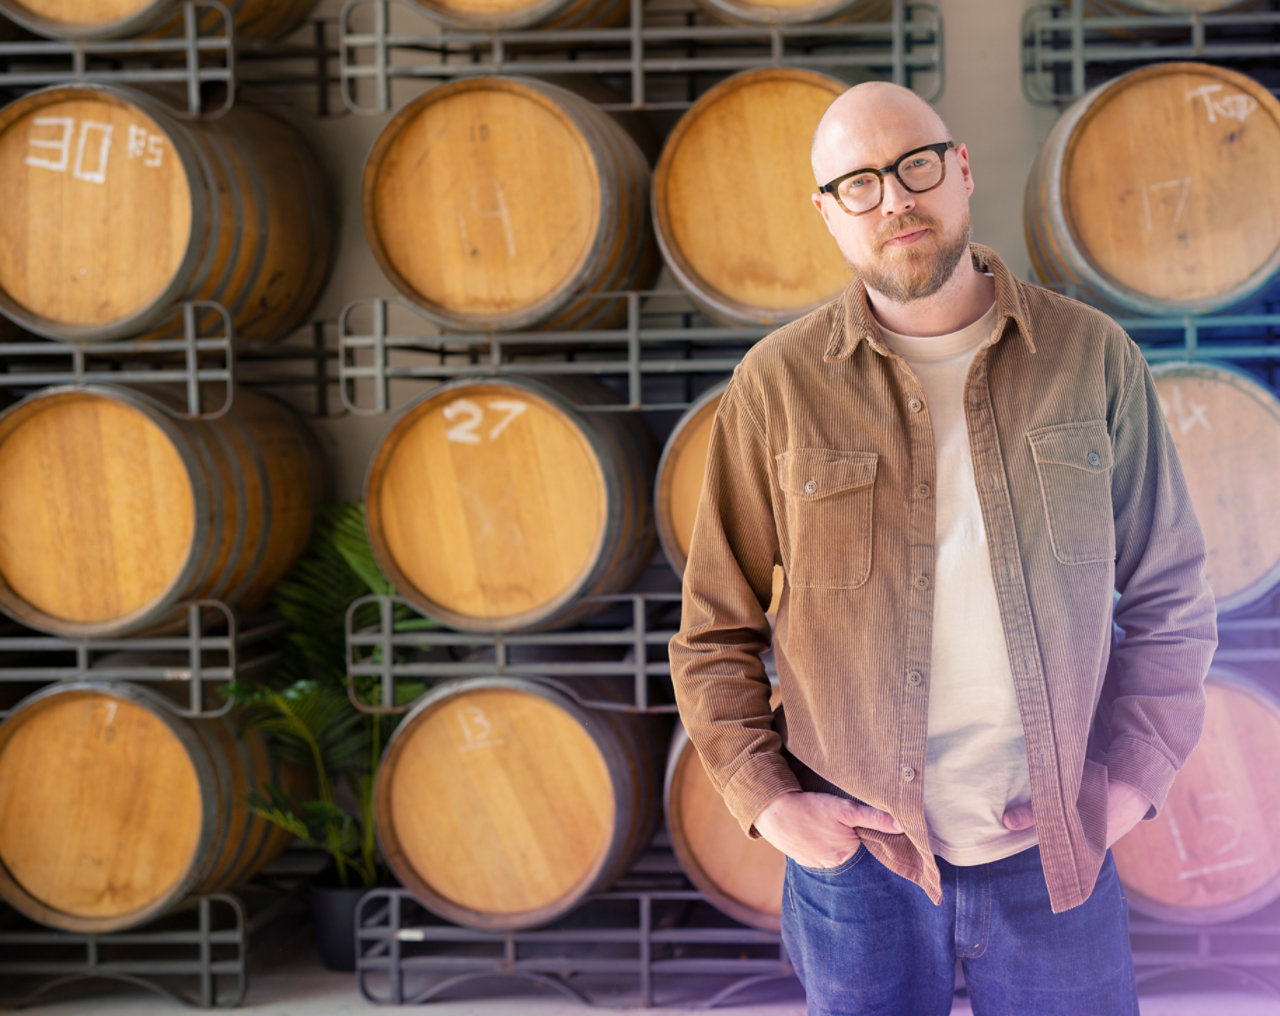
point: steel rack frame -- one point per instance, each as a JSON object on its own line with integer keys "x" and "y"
{"x": 652, "y": 925}
{"x": 627, "y": 644}
{"x": 664, "y": 338}
{"x": 197, "y": 955}
{"x": 905, "y": 48}
{"x": 208, "y": 366}
{"x": 383, "y": 340}
{"x": 1066, "y": 52}
{"x": 213, "y": 648}
{"x": 193, "y": 360}
{"x": 29, "y": 63}
{"x": 1245, "y": 950}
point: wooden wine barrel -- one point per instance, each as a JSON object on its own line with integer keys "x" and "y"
{"x": 678, "y": 484}
{"x": 507, "y": 15}
{"x": 501, "y": 802}
{"x": 506, "y": 203}
{"x": 140, "y": 209}
{"x": 495, "y": 505}
{"x": 731, "y": 199}
{"x": 1111, "y": 8}
{"x": 790, "y": 12}
{"x": 113, "y": 19}
{"x": 1156, "y": 193}
{"x": 115, "y": 512}
{"x": 113, "y": 808}
{"x": 740, "y": 876}
{"x": 1226, "y": 427}
{"x": 1213, "y": 853}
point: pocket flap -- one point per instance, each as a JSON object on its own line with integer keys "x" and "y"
{"x": 817, "y": 472}
{"x": 1085, "y": 445}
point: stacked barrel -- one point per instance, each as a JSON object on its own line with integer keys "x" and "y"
{"x": 501, "y": 504}
{"x": 121, "y": 504}
{"x": 1156, "y": 195}
{"x": 504, "y": 504}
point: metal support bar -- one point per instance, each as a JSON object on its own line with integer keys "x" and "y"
{"x": 1066, "y": 50}
{"x": 657, "y": 343}
{"x": 901, "y": 49}
{"x": 206, "y": 658}
{"x": 205, "y": 944}
{"x": 152, "y": 60}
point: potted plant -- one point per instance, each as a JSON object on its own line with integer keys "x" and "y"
{"x": 312, "y": 724}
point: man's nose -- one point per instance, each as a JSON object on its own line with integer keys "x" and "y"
{"x": 896, "y": 199}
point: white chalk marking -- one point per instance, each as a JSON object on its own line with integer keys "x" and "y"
{"x": 1184, "y": 417}
{"x": 476, "y": 729}
{"x": 1209, "y": 869}
{"x": 512, "y": 408}
{"x": 1184, "y": 187}
{"x": 464, "y": 432}
{"x": 497, "y": 211}
{"x": 1236, "y": 106}
{"x": 98, "y": 175}
{"x": 62, "y": 145}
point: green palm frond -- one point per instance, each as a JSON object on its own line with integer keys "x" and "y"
{"x": 304, "y": 709}
{"x": 351, "y": 541}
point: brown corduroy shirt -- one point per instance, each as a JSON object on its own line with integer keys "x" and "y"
{"x": 822, "y": 459}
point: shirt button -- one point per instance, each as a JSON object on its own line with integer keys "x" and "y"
{"x": 810, "y": 486}
{"x": 914, "y": 404}
{"x": 922, "y": 581}
{"x": 923, "y": 490}
{"x": 914, "y": 677}
{"x": 908, "y": 773}
{"x": 1094, "y": 458}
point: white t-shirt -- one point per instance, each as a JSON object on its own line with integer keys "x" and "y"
{"x": 976, "y": 762}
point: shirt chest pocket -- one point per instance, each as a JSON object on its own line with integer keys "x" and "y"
{"x": 829, "y": 498}
{"x": 1073, "y": 463}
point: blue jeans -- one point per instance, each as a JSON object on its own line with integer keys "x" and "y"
{"x": 866, "y": 941}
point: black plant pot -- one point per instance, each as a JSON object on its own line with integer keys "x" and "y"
{"x": 333, "y": 911}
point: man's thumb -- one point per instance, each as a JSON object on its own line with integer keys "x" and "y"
{"x": 1020, "y": 817}
{"x": 872, "y": 818}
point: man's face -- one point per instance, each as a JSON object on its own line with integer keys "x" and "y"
{"x": 909, "y": 246}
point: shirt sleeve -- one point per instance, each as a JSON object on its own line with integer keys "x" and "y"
{"x": 720, "y": 682}
{"x": 1165, "y": 616}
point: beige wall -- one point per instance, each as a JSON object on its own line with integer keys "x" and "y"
{"x": 983, "y": 104}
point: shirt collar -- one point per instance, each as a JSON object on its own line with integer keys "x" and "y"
{"x": 859, "y": 323}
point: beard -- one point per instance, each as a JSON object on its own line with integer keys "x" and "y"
{"x": 908, "y": 273}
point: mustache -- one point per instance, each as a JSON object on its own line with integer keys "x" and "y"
{"x": 904, "y": 223}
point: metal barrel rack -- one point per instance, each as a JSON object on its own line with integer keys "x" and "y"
{"x": 1066, "y": 50}
{"x": 651, "y": 929}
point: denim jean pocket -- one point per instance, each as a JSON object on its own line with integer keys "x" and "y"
{"x": 829, "y": 497}
{"x": 1073, "y": 464}
{"x": 839, "y": 869}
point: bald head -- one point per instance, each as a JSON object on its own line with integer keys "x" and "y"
{"x": 861, "y": 116}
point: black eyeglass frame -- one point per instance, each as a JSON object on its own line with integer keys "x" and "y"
{"x": 940, "y": 148}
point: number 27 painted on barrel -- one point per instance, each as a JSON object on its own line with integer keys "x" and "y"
{"x": 464, "y": 432}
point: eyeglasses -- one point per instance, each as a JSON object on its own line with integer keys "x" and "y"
{"x": 919, "y": 170}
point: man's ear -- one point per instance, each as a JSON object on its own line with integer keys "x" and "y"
{"x": 823, "y": 209}
{"x": 962, "y": 157}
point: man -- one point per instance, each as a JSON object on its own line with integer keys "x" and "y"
{"x": 956, "y": 471}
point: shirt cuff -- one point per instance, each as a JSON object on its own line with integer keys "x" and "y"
{"x": 752, "y": 787}
{"x": 1144, "y": 768}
